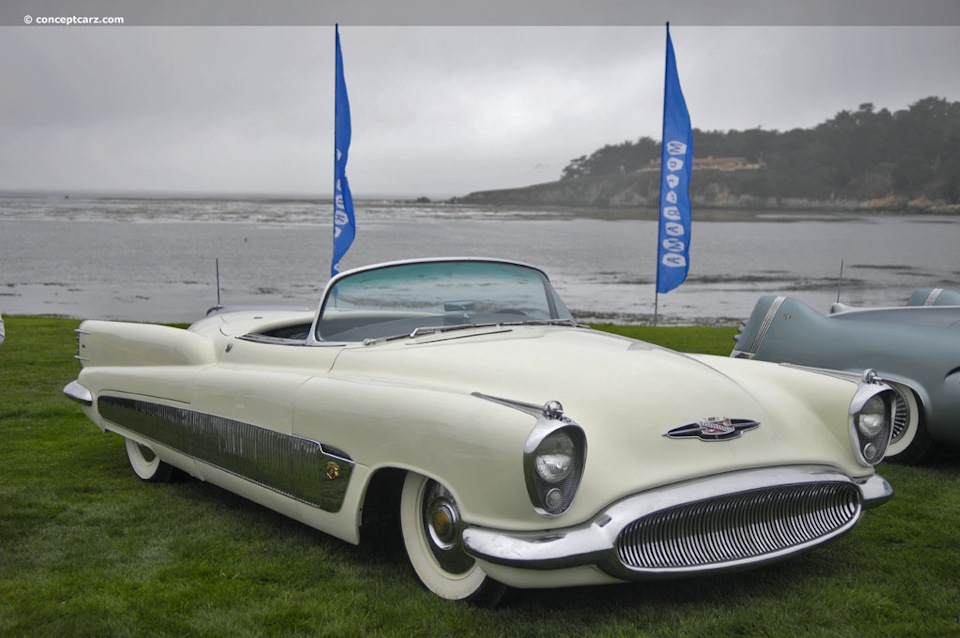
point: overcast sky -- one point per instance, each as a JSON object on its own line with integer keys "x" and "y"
{"x": 436, "y": 110}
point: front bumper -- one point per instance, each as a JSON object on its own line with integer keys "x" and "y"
{"x": 726, "y": 522}
{"x": 78, "y": 393}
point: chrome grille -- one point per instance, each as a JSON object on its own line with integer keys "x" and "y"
{"x": 739, "y": 527}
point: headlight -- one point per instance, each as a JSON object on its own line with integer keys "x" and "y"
{"x": 553, "y": 461}
{"x": 555, "y": 457}
{"x": 871, "y": 419}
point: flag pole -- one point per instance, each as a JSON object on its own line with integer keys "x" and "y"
{"x": 337, "y": 60}
{"x": 344, "y": 221}
{"x": 656, "y": 285}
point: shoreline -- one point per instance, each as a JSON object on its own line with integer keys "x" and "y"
{"x": 702, "y": 213}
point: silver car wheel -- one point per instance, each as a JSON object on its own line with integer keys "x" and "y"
{"x": 431, "y": 526}
{"x": 146, "y": 464}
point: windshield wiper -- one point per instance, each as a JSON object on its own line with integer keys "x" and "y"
{"x": 425, "y": 330}
{"x": 573, "y": 323}
{"x": 431, "y": 330}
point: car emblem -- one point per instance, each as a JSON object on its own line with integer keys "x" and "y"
{"x": 713, "y": 429}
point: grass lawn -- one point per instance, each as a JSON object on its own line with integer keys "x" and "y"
{"x": 86, "y": 549}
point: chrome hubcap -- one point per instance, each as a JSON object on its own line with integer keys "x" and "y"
{"x": 442, "y": 526}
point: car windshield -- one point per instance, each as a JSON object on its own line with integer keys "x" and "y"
{"x": 402, "y": 298}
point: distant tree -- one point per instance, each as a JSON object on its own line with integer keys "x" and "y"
{"x": 857, "y": 154}
{"x": 625, "y": 157}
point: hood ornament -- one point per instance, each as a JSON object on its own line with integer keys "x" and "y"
{"x": 713, "y": 429}
{"x": 552, "y": 410}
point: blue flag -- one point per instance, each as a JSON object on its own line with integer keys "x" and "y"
{"x": 344, "y": 223}
{"x": 673, "y": 255}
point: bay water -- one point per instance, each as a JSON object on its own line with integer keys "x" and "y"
{"x": 154, "y": 257}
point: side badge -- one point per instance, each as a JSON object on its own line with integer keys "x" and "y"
{"x": 713, "y": 429}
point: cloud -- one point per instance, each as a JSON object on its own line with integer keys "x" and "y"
{"x": 436, "y": 110}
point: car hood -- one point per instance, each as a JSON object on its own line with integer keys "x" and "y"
{"x": 627, "y": 395}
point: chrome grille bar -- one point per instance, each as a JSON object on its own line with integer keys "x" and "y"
{"x": 739, "y": 527}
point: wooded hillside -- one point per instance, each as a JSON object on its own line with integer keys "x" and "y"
{"x": 867, "y": 158}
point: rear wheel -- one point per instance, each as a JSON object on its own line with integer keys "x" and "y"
{"x": 431, "y": 526}
{"x": 910, "y": 443}
{"x": 147, "y": 465}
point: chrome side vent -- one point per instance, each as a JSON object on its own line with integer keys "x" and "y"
{"x": 743, "y": 527}
{"x": 291, "y": 465}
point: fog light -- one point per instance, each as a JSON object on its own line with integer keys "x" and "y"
{"x": 553, "y": 498}
{"x": 870, "y": 451}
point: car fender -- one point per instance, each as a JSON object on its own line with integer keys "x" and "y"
{"x": 383, "y": 425}
{"x": 118, "y": 343}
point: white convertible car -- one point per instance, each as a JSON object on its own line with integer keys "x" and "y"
{"x": 515, "y": 446}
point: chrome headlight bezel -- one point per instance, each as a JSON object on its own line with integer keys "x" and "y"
{"x": 872, "y": 413}
{"x": 554, "y": 457}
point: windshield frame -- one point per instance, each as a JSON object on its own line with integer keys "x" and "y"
{"x": 554, "y": 306}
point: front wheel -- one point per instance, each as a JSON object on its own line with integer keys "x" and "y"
{"x": 147, "y": 465}
{"x": 911, "y": 443}
{"x": 431, "y": 525}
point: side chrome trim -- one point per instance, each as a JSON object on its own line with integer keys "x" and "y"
{"x": 544, "y": 411}
{"x": 852, "y": 377}
{"x": 933, "y": 296}
{"x": 744, "y": 351}
{"x": 78, "y": 393}
{"x": 765, "y": 325}
{"x": 296, "y": 467}
{"x": 599, "y": 542}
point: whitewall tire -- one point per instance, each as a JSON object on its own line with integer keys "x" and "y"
{"x": 147, "y": 465}
{"x": 431, "y": 526}
{"x": 910, "y": 443}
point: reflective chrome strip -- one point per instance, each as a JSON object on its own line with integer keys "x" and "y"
{"x": 765, "y": 325}
{"x": 78, "y": 393}
{"x": 748, "y": 517}
{"x": 933, "y": 296}
{"x": 290, "y": 465}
